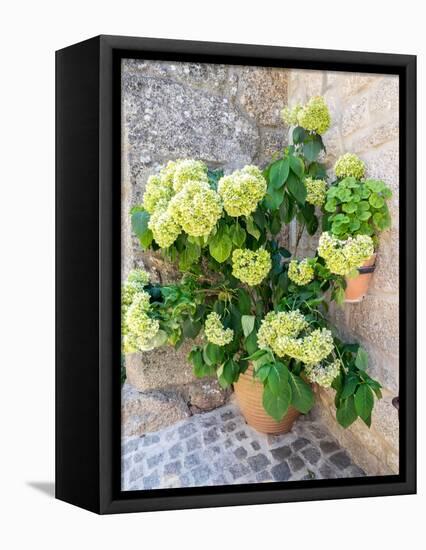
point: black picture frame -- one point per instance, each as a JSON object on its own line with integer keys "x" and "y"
{"x": 88, "y": 274}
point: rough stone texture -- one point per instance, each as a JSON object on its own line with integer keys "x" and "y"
{"x": 218, "y": 448}
{"x": 149, "y": 411}
{"x": 364, "y": 110}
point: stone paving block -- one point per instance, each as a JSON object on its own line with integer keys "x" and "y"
{"x": 240, "y": 453}
{"x": 329, "y": 446}
{"x": 211, "y": 435}
{"x": 311, "y": 454}
{"x": 300, "y": 443}
{"x": 255, "y": 445}
{"x": 296, "y": 463}
{"x": 173, "y": 468}
{"x": 263, "y": 476}
{"x": 281, "y": 453}
{"x": 186, "y": 430}
{"x": 258, "y": 462}
{"x": 241, "y": 435}
{"x": 193, "y": 443}
{"x": 340, "y": 459}
{"x": 238, "y": 470}
{"x": 176, "y": 450}
{"x": 155, "y": 460}
{"x": 281, "y": 472}
{"x": 191, "y": 461}
{"x": 152, "y": 481}
{"x": 201, "y": 474}
{"x": 150, "y": 439}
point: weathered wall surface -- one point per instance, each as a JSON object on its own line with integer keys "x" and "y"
{"x": 364, "y": 111}
{"x": 225, "y": 116}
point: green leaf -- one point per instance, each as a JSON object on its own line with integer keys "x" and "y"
{"x": 330, "y": 205}
{"x": 252, "y": 228}
{"x": 376, "y": 200}
{"x": 247, "y": 322}
{"x": 274, "y": 198}
{"x": 278, "y": 173}
{"x": 250, "y": 343}
{"x": 350, "y": 207}
{"x": 299, "y": 134}
{"x": 140, "y": 221}
{"x": 263, "y": 371}
{"x": 238, "y": 235}
{"x": 278, "y": 378}
{"x": 287, "y": 209}
{"x": 302, "y": 396}
{"x": 275, "y": 224}
{"x": 257, "y": 354}
{"x": 349, "y": 386}
{"x": 244, "y": 302}
{"x": 191, "y": 328}
{"x": 213, "y": 354}
{"x": 296, "y": 165}
{"x": 200, "y": 368}
{"x": 346, "y": 413}
{"x": 227, "y": 373}
{"x": 220, "y": 247}
{"x": 377, "y": 186}
{"x": 364, "y": 401}
{"x": 311, "y": 149}
{"x": 276, "y": 405}
{"x": 297, "y": 188}
{"x": 361, "y": 359}
{"x": 190, "y": 255}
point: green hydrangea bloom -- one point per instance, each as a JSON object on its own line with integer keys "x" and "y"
{"x": 315, "y": 116}
{"x": 138, "y": 277}
{"x": 349, "y": 165}
{"x": 276, "y": 328}
{"x": 215, "y": 332}
{"x": 301, "y": 272}
{"x": 316, "y": 191}
{"x": 136, "y": 280}
{"x": 196, "y": 208}
{"x": 281, "y": 333}
{"x": 141, "y": 329}
{"x": 188, "y": 170}
{"x": 251, "y": 267}
{"x": 242, "y": 190}
{"x": 323, "y": 374}
{"x": 156, "y": 192}
{"x": 289, "y": 115}
{"x": 164, "y": 228}
{"x": 343, "y": 257}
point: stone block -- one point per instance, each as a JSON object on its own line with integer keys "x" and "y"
{"x": 262, "y": 92}
{"x": 355, "y": 116}
{"x": 376, "y": 320}
{"x": 376, "y": 135}
{"x": 165, "y": 119}
{"x": 150, "y": 411}
{"x": 385, "y": 96}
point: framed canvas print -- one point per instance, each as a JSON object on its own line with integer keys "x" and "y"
{"x": 235, "y": 274}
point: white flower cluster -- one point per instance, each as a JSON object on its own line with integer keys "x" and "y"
{"x": 281, "y": 332}
{"x": 215, "y": 332}
{"x": 242, "y": 190}
{"x": 343, "y": 257}
{"x": 180, "y": 199}
{"x": 324, "y": 373}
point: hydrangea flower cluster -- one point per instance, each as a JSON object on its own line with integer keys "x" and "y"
{"x": 289, "y": 115}
{"x": 301, "y": 273}
{"x": 242, "y": 190}
{"x": 141, "y": 329}
{"x": 135, "y": 283}
{"x": 214, "y": 331}
{"x": 349, "y": 165}
{"x": 180, "y": 199}
{"x": 323, "y": 374}
{"x": 343, "y": 257}
{"x": 280, "y": 332}
{"x": 314, "y": 116}
{"x": 316, "y": 191}
{"x": 196, "y": 208}
{"x": 251, "y": 267}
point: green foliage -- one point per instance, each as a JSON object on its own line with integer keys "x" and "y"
{"x": 357, "y": 208}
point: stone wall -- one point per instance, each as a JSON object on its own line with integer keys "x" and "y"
{"x": 364, "y": 109}
{"x": 227, "y": 116}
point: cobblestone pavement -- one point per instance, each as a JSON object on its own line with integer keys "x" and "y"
{"x": 218, "y": 448}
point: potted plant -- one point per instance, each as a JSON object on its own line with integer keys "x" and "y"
{"x": 257, "y": 315}
{"x": 356, "y": 206}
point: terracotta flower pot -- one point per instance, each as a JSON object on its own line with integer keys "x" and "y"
{"x": 357, "y": 287}
{"x": 249, "y": 393}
